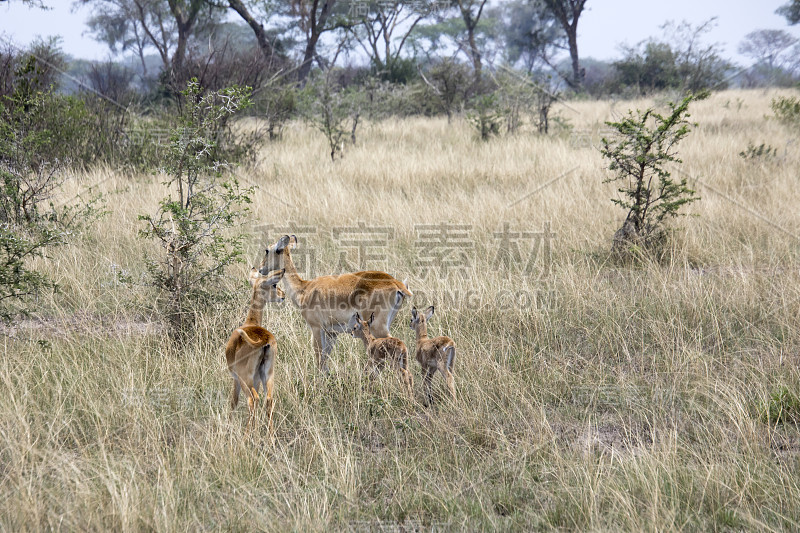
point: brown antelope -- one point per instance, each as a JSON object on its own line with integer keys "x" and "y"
{"x": 327, "y": 302}
{"x": 381, "y": 350}
{"x": 433, "y": 354}
{"x": 251, "y": 349}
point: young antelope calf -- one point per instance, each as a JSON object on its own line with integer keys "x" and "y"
{"x": 379, "y": 350}
{"x": 251, "y": 350}
{"x": 434, "y": 354}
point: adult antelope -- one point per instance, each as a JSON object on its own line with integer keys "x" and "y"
{"x": 327, "y": 302}
{"x": 251, "y": 349}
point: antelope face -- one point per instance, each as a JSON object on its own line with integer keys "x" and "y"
{"x": 275, "y": 254}
{"x": 268, "y": 285}
{"x": 359, "y": 328}
{"x": 420, "y": 319}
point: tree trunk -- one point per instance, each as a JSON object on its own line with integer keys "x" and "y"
{"x": 471, "y": 22}
{"x": 258, "y": 29}
{"x": 355, "y": 125}
{"x": 308, "y": 59}
{"x": 475, "y": 53}
{"x": 180, "y": 50}
{"x": 185, "y": 22}
{"x": 572, "y": 39}
{"x": 567, "y": 12}
{"x": 315, "y": 28}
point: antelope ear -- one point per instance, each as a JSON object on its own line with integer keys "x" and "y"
{"x": 352, "y": 322}
{"x": 293, "y": 242}
{"x": 429, "y": 313}
{"x": 414, "y": 312}
{"x": 371, "y": 318}
{"x": 282, "y": 243}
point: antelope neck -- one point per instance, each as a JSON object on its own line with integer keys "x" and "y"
{"x": 256, "y": 312}
{"x": 294, "y": 283}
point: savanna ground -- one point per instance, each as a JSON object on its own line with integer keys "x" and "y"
{"x": 591, "y": 395}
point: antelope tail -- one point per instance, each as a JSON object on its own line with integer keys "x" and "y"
{"x": 450, "y": 351}
{"x": 249, "y": 340}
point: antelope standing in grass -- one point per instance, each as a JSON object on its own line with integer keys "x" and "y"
{"x": 382, "y": 350}
{"x": 251, "y": 349}
{"x": 327, "y": 302}
{"x": 433, "y": 354}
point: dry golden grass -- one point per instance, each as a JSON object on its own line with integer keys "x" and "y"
{"x": 607, "y": 398}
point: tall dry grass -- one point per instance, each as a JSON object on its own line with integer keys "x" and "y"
{"x": 591, "y": 396}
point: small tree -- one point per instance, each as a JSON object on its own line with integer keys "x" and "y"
{"x": 35, "y": 134}
{"x": 791, "y": 11}
{"x": 486, "y": 117}
{"x": 277, "y": 105}
{"x": 333, "y": 111}
{"x": 449, "y": 85}
{"x": 204, "y": 203}
{"x": 787, "y": 110}
{"x": 567, "y": 13}
{"x": 522, "y": 94}
{"x": 645, "y": 145}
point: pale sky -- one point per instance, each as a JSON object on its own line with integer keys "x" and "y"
{"x": 602, "y": 28}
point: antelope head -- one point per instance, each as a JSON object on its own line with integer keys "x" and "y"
{"x": 359, "y": 328}
{"x": 267, "y": 285}
{"x": 274, "y": 256}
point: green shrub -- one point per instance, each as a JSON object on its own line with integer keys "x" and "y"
{"x": 193, "y": 222}
{"x": 447, "y": 85}
{"x": 334, "y": 112}
{"x": 277, "y": 105}
{"x": 787, "y": 110}
{"x": 38, "y": 132}
{"x": 639, "y": 154}
{"x": 486, "y": 117}
{"x": 760, "y": 152}
{"x": 782, "y": 407}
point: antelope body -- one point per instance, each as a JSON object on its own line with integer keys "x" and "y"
{"x": 328, "y": 302}
{"x": 251, "y": 349}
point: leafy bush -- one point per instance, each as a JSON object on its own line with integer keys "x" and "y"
{"x": 679, "y": 61}
{"x": 787, "y": 110}
{"x": 448, "y": 84}
{"x": 204, "y": 202}
{"x": 486, "y": 117}
{"x": 334, "y": 112}
{"x": 34, "y": 127}
{"x": 651, "y": 69}
{"x": 83, "y": 129}
{"x": 645, "y": 144}
{"x": 277, "y": 105}
{"x": 760, "y": 152}
{"x": 46, "y": 75}
{"x": 523, "y": 98}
